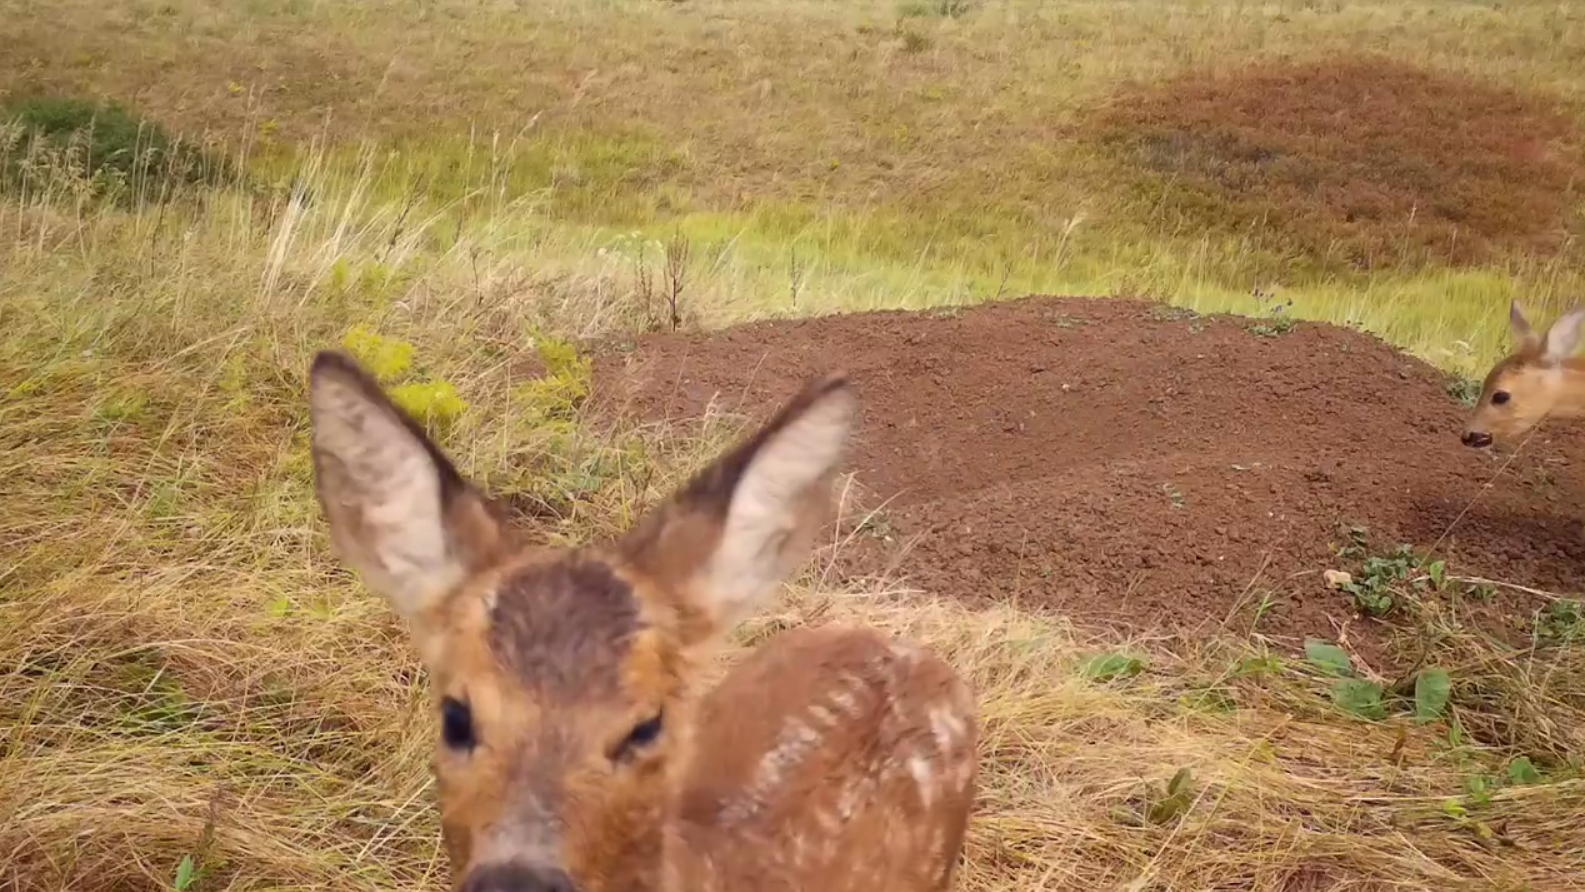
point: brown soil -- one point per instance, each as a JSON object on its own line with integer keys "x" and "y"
{"x": 1367, "y": 162}
{"x": 1125, "y": 463}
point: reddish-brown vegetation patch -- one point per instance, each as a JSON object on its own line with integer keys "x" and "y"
{"x": 1125, "y": 464}
{"x": 1364, "y": 163}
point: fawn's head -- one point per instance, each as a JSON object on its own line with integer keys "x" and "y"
{"x": 561, "y": 675}
{"x": 1528, "y": 384}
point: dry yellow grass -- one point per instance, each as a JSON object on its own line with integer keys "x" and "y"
{"x": 189, "y": 673}
{"x": 186, "y": 672}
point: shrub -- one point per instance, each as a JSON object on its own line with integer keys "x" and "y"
{"x": 100, "y": 150}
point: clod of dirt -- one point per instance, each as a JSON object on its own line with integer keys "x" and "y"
{"x": 1121, "y": 466}
{"x": 1361, "y": 163}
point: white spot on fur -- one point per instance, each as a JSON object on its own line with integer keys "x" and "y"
{"x": 919, "y": 767}
{"x": 792, "y": 747}
{"x": 948, "y": 727}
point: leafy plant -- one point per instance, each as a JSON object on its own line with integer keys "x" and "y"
{"x": 186, "y": 874}
{"x": 1359, "y": 697}
{"x": 385, "y": 358}
{"x": 1329, "y": 658}
{"x": 1276, "y": 326}
{"x": 559, "y": 393}
{"x": 1522, "y": 771}
{"x": 1562, "y": 620}
{"x": 1178, "y": 797}
{"x": 1256, "y": 667}
{"x": 432, "y": 403}
{"x": 1432, "y": 690}
{"x": 1464, "y": 391}
{"x": 1105, "y": 667}
{"x": 1375, "y": 589}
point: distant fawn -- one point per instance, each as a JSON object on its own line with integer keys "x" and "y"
{"x": 573, "y": 755}
{"x": 1541, "y": 377}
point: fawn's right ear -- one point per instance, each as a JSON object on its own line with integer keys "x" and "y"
{"x": 399, "y": 512}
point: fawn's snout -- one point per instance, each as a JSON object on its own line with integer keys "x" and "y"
{"x": 517, "y": 878}
{"x": 1476, "y": 439}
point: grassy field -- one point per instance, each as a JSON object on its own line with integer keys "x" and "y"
{"x": 187, "y": 676}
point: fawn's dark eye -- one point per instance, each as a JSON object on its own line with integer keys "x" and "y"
{"x": 641, "y": 736}
{"x": 456, "y": 724}
{"x": 1499, "y": 397}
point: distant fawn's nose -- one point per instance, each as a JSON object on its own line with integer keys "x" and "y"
{"x": 1477, "y": 439}
{"x": 518, "y": 878}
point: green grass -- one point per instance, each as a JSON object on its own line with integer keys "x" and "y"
{"x": 186, "y": 673}
{"x": 808, "y": 135}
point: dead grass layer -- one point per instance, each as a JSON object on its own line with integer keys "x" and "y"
{"x": 174, "y": 717}
{"x": 1366, "y": 162}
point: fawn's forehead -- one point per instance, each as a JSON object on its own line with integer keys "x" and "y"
{"x": 565, "y": 627}
{"x": 1506, "y": 367}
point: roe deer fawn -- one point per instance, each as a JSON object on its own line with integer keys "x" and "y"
{"x": 573, "y": 755}
{"x": 1541, "y": 377}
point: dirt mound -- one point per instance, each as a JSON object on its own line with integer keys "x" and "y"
{"x": 1125, "y": 462}
{"x": 1367, "y": 163}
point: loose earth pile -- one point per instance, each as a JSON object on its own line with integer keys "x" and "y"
{"x": 1129, "y": 464}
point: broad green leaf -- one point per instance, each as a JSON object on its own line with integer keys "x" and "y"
{"x": 1329, "y": 657}
{"x": 1179, "y": 795}
{"x": 1108, "y": 666}
{"x": 1438, "y": 573}
{"x": 185, "y": 873}
{"x": 1480, "y": 790}
{"x": 1180, "y": 782}
{"x": 1523, "y": 771}
{"x": 1359, "y": 697}
{"x": 1432, "y": 688}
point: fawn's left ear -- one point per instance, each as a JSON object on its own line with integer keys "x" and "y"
{"x": 399, "y": 512}
{"x": 1563, "y": 337}
{"x": 1523, "y": 335}
{"x": 741, "y": 526}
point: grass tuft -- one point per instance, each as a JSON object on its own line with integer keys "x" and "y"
{"x": 97, "y": 150}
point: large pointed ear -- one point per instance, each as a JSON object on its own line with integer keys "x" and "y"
{"x": 1524, "y": 337}
{"x": 399, "y": 512}
{"x": 724, "y": 542}
{"x": 1563, "y": 337}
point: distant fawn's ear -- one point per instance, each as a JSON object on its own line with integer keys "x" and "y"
{"x": 399, "y": 512}
{"x": 742, "y": 525}
{"x": 1523, "y": 335}
{"x": 1563, "y": 337}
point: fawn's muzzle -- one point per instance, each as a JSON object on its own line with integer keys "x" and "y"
{"x": 518, "y": 878}
{"x": 1477, "y": 439}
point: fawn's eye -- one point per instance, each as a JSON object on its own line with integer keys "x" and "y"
{"x": 456, "y": 724}
{"x": 642, "y": 735}
{"x": 1499, "y": 397}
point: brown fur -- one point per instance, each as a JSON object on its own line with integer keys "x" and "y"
{"x": 829, "y": 759}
